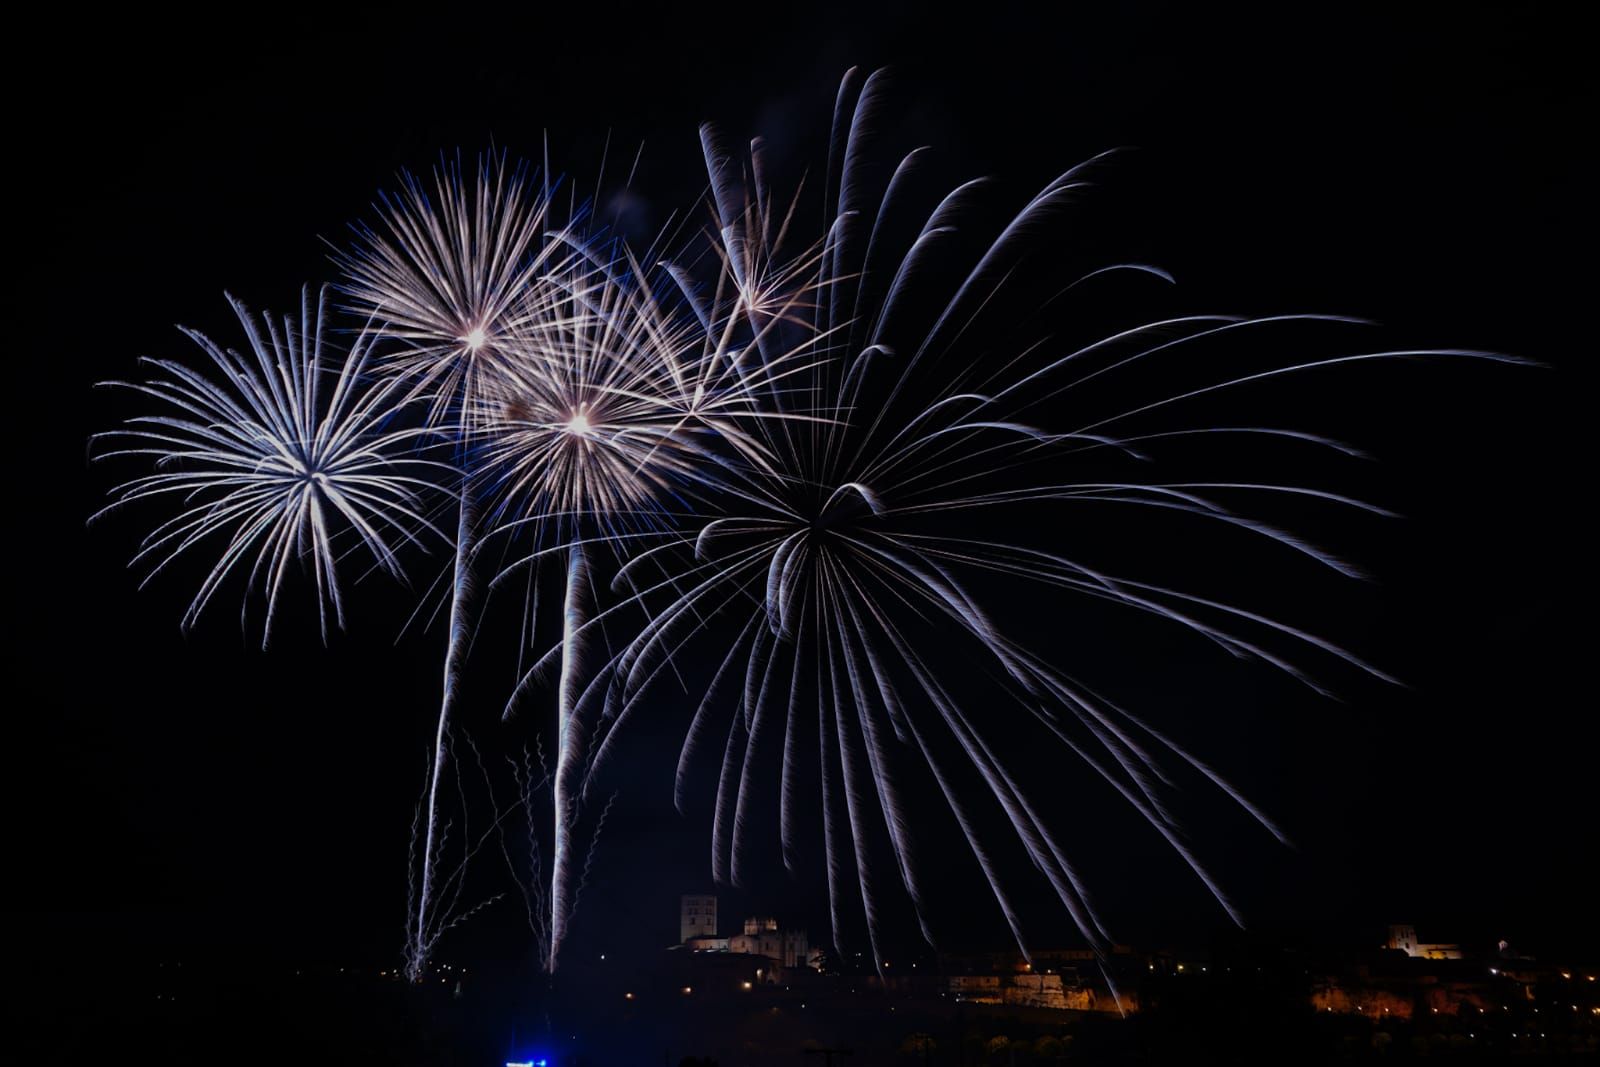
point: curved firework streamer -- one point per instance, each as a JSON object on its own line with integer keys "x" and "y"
{"x": 283, "y": 451}
{"x": 841, "y": 568}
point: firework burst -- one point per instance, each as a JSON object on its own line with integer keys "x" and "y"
{"x": 276, "y": 460}
{"x": 453, "y": 273}
{"x": 861, "y": 562}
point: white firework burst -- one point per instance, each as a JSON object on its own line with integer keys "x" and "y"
{"x": 453, "y": 271}
{"x": 283, "y": 456}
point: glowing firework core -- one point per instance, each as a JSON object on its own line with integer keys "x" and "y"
{"x": 578, "y": 425}
{"x": 475, "y": 338}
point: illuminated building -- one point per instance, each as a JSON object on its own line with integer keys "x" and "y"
{"x": 1403, "y": 938}
{"x": 762, "y": 935}
{"x": 697, "y": 916}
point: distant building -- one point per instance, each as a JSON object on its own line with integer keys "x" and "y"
{"x": 697, "y": 916}
{"x": 1403, "y": 938}
{"x": 762, "y": 935}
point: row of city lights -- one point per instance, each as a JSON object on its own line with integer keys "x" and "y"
{"x": 688, "y": 990}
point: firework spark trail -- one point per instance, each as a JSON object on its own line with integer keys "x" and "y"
{"x": 272, "y": 464}
{"x": 455, "y": 654}
{"x": 833, "y": 551}
{"x": 569, "y": 751}
{"x": 529, "y": 876}
{"x": 450, "y": 876}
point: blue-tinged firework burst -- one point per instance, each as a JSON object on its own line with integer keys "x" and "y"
{"x": 277, "y": 457}
{"x": 940, "y": 463}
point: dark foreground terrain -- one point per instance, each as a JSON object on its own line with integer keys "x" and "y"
{"x": 202, "y": 1012}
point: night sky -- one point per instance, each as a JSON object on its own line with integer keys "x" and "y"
{"x": 187, "y": 795}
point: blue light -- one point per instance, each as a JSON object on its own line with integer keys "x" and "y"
{"x": 528, "y": 1063}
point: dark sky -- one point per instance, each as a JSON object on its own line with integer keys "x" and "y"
{"x": 1420, "y": 168}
